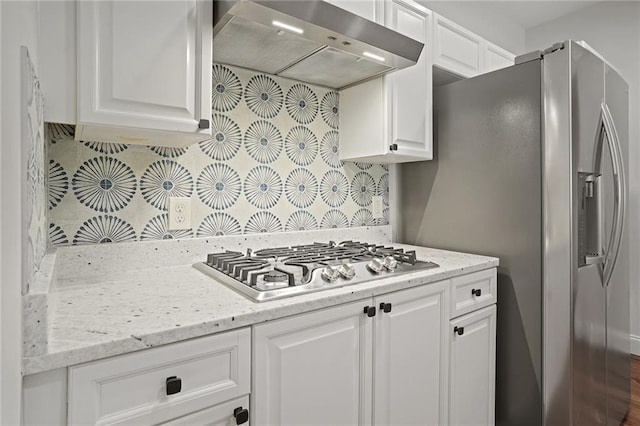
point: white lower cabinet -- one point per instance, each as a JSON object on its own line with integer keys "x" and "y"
{"x": 410, "y": 355}
{"x": 420, "y": 356}
{"x": 314, "y": 369}
{"x": 161, "y": 384}
{"x": 331, "y": 367}
{"x": 472, "y": 356}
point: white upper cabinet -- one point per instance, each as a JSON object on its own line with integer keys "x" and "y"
{"x": 457, "y": 49}
{"x": 497, "y": 57}
{"x": 389, "y": 119}
{"x": 143, "y": 69}
{"x": 144, "y": 66}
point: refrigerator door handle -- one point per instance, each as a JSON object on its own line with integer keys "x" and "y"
{"x": 611, "y": 255}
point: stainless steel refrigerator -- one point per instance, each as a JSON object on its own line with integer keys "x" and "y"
{"x": 529, "y": 167}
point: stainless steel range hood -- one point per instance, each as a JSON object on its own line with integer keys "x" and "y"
{"x": 307, "y": 40}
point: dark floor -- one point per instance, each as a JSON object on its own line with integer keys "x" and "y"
{"x": 633, "y": 418}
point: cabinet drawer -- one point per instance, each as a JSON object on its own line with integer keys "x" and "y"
{"x": 220, "y": 415}
{"x": 473, "y": 291}
{"x": 132, "y": 388}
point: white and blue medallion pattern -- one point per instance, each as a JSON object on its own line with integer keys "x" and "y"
{"x": 301, "y": 145}
{"x": 104, "y": 184}
{"x": 302, "y": 103}
{"x": 225, "y": 141}
{"x": 218, "y": 186}
{"x": 383, "y": 188}
{"x": 106, "y": 147}
{"x": 263, "y": 142}
{"x": 301, "y": 221}
{"x": 272, "y": 164}
{"x": 226, "y": 90}
{"x": 32, "y": 186}
{"x": 363, "y": 217}
{"x": 301, "y": 188}
{"x": 334, "y": 219}
{"x": 330, "y": 149}
{"x": 58, "y": 183}
{"x": 167, "y": 152}
{"x": 334, "y": 188}
{"x": 263, "y": 96}
{"x": 158, "y": 229}
{"x": 329, "y": 108}
{"x": 57, "y": 237}
{"x": 262, "y": 222}
{"x": 263, "y": 187}
{"x": 217, "y": 224}
{"x": 164, "y": 179}
{"x": 362, "y": 189}
{"x": 104, "y": 229}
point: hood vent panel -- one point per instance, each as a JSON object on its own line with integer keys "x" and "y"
{"x": 252, "y": 45}
{"x": 330, "y": 51}
{"x": 333, "y": 68}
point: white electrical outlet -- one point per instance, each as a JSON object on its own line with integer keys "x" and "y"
{"x": 179, "y": 213}
{"x": 376, "y": 207}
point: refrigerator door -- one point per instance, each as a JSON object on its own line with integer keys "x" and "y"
{"x": 589, "y": 381}
{"x": 617, "y": 309}
{"x": 482, "y": 194}
{"x": 600, "y": 286}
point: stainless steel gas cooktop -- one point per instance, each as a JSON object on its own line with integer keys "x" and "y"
{"x": 276, "y": 273}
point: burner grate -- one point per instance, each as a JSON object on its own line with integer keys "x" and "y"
{"x": 283, "y": 271}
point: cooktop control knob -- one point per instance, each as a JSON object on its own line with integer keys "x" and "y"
{"x": 347, "y": 271}
{"x": 376, "y": 265}
{"x": 390, "y": 263}
{"x": 330, "y": 273}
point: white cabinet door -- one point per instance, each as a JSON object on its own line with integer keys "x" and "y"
{"x": 363, "y": 8}
{"x": 472, "y": 368}
{"x": 144, "y": 65}
{"x": 456, "y": 49}
{"x": 497, "y": 57}
{"x": 389, "y": 119}
{"x": 410, "y": 357}
{"x": 409, "y": 90}
{"x": 314, "y": 369}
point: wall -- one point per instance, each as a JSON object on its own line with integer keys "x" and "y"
{"x": 487, "y": 24}
{"x": 1, "y": 205}
{"x": 271, "y": 166}
{"x": 613, "y": 29}
{"x": 19, "y": 28}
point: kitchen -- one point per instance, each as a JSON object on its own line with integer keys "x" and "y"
{"x": 140, "y": 207}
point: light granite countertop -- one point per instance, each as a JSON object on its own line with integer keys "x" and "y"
{"x": 125, "y": 310}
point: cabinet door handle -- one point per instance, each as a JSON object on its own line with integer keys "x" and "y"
{"x": 241, "y": 415}
{"x": 393, "y": 147}
{"x": 174, "y": 385}
{"x": 370, "y": 311}
{"x": 203, "y": 124}
{"x": 476, "y": 292}
{"x": 459, "y": 330}
{"x": 385, "y": 307}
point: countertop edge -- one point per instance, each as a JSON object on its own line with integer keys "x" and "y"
{"x": 334, "y": 297}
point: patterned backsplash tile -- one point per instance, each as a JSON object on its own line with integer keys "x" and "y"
{"x": 272, "y": 165}
{"x": 34, "y": 184}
